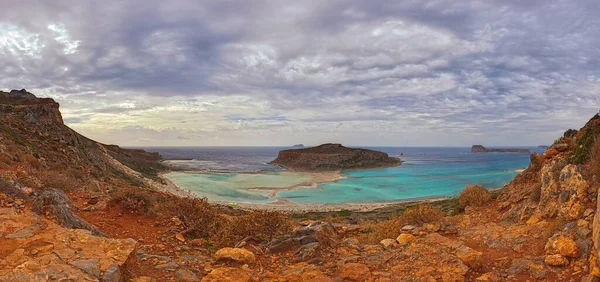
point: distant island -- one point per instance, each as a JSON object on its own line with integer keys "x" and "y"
{"x": 298, "y": 146}
{"x": 543, "y": 146}
{"x": 330, "y": 157}
{"x": 481, "y": 149}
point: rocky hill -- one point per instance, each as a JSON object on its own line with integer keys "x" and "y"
{"x": 32, "y": 133}
{"x": 329, "y": 157}
{"x": 482, "y": 149}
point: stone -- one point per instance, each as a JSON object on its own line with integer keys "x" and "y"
{"x": 556, "y": 260}
{"x": 560, "y": 244}
{"x": 112, "y": 274}
{"x": 355, "y": 272}
{"x": 538, "y": 272}
{"x": 89, "y": 266}
{"x": 200, "y": 242}
{"x": 472, "y": 258}
{"x": 142, "y": 279}
{"x": 408, "y": 228}
{"x": 406, "y": 238}
{"x": 180, "y": 237}
{"x": 389, "y": 243}
{"x": 227, "y": 274}
{"x": 183, "y": 275}
{"x": 533, "y": 220}
{"x": 489, "y": 277}
{"x": 322, "y": 232}
{"x": 235, "y": 254}
{"x": 168, "y": 265}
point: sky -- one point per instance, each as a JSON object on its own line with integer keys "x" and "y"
{"x": 265, "y": 73}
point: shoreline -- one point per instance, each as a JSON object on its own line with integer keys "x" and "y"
{"x": 285, "y": 205}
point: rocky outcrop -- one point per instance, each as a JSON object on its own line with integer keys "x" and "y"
{"x": 35, "y": 249}
{"x": 482, "y": 149}
{"x": 328, "y": 157}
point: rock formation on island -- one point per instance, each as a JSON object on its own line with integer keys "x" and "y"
{"x": 298, "y": 146}
{"x": 482, "y": 149}
{"x": 328, "y": 157}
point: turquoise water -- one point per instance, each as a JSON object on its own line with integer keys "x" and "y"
{"x": 426, "y": 172}
{"x": 234, "y": 187}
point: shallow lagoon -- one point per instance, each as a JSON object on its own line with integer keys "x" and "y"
{"x": 427, "y": 172}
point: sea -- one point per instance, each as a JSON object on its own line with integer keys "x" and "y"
{"x": 227, "y": 174}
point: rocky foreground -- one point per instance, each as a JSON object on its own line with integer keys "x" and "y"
{"x": 331, "y": 157}
{"x": 72, "y": 209}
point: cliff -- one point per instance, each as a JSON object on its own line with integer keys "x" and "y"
{"x": 329, "y": 157}
{"x": 482, "y": 149}
{"x": 33, "y": 134}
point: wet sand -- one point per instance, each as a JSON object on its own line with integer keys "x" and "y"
{"x": 315, "y": 179}
{"x": 286, "y": 205}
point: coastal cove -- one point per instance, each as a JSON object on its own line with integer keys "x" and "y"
{"x": 427, "y": 172}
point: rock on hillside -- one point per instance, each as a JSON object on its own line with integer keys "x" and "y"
{"x": 33, "y": 134}
{"x": 35, "y": 249}
{"x": 329, "y": 157}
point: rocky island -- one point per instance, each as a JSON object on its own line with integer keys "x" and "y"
{"x": 481, "y": 149}
{"x": 328, "y": 157}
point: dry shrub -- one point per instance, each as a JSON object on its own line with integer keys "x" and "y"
{"x": 594, "y": 162}
{"x": 6, "y": 158}
{"x": 261, "y": 226}
{"x": 31, "y": 161}
{"x": 417, "y": 215}
{"x": 474, "y": 196}
{"x": 204, "y": 220}
{"x": 134, "y": 200}
{"x": 58, "y": 180}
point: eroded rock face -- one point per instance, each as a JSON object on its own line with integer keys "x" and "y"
{"x": 564, "y": 192}
{"x": 38, "y": 249}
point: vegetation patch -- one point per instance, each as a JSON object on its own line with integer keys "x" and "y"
{"x": 474, "y": 196}
{"x": 417, "y": 215}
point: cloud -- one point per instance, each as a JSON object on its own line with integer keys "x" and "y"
{"x": 434, "y": 72}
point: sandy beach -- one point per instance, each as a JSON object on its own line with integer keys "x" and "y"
{"x": 315, "y": 179}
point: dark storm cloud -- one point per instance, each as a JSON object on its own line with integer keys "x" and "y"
{"x": 442, "y": 65}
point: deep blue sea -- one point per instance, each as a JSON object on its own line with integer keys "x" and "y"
{"x": 426, "y": 172}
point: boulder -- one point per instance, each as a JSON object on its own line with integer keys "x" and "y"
{"x": 235, "y": 254}
{"x": 406, "y": 238}
{"x": 563, "y": 245}
{"x": 183, "y": 275}
{"x": 389, "y": 243}
{"x": 65, "y": 254}
{"x": 355, "y": 272}
{"x": 472, "y": 258}
{"x": 556, "y": 260}
{"x": 322, "y": 232}
{"x": 227, "y": 274}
